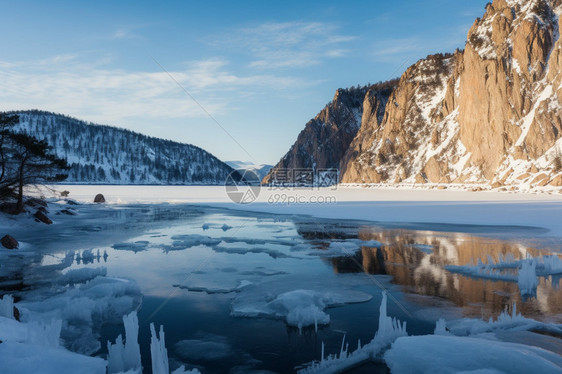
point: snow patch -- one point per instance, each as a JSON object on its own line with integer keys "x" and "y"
{"x": 453, "y": 354}
{"x": 528, "y": 119}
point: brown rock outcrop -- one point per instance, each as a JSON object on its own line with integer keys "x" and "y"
{"x": 326, "y": 138}
{"x": 488, "y": 113}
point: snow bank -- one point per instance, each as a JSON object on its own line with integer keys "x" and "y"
{"x": 35, "y": 333}
{"x": 34, "y": 347}
{"x": 19, "y": 358}
{"x": 452, "y": 354}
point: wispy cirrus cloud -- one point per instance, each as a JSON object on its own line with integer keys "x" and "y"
{"x": 108, "y": 95}
{"x": 294, "y": 44}
{"x": 127, "y": 32}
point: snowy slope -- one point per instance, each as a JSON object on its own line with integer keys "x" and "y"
{"x": 104, "y": 154}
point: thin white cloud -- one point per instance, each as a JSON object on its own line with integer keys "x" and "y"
{"x": 119, "y": 97}
{"x": 127, "y": 33}
{"x": 287, "y": 44}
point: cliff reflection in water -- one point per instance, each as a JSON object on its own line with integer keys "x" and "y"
{"x": 417, "y": 259}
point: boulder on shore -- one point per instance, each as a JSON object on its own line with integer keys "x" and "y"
{"x": 41, "y": 217}
{"x": 9, "y": 242}
{"x": 99, "y": 198}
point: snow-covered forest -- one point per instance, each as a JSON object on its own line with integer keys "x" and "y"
{"x": 105, "y": 154}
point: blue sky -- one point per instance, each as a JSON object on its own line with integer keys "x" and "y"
{"x": 262, "y": 69}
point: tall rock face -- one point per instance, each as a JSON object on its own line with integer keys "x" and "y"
{"x": 489, "y": 114}
{"x": 388, "y": 150}
{"x": 326, "y": 138}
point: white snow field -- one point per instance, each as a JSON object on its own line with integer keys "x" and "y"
{"x": 384, "y": 204}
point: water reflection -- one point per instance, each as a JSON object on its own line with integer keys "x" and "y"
{"x": 417, "y": 260}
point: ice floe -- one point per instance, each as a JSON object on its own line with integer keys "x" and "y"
{"x": 299, "y": 308}
{"x": 137, "y": 246}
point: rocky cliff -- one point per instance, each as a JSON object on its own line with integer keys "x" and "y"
{"x": 488, "y": 114}
{"x": 325, "y": 139}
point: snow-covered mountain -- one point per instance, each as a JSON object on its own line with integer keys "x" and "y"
{"x": 260, "y": 169}
{"x": 104, "y": 154}
{"x": 488, "y": 114}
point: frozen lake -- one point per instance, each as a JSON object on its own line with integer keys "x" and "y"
{"x": 241, "y": 291}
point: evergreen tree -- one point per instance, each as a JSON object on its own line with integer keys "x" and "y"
{"x": 25, "y": 160}
{"x": 6, "y": 123}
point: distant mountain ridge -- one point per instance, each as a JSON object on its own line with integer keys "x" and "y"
{"x": 108, "y": 155}
{"x": 261, "y": 170}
